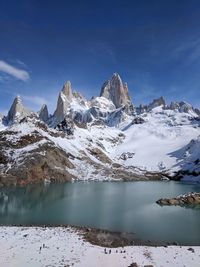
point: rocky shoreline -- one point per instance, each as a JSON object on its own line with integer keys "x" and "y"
{"x": 189, "y": 200}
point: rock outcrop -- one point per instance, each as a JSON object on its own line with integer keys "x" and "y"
{"x": 184, "y": 107}
{"x": 116, "y": 91}
{"x": 66, "y": 126}
{"x": 190, "y": 199}
{"x": 17, "y": 111}
{"x": 63, "y": 103}
{"x": 141, "y": 109}
{"x": 116, "y": 117}
{"x": 43, "y": 113}
{"x": 33, "y": 156}
{"x": 174, "y": 105}
{"x": 156, "y": 103}
{"x": 100, "y": 107}
{"x": 81, "y": 100}
{"x": 1, "y": 119}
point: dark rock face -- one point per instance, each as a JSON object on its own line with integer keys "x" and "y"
{"x": 43, "y": 113}
{"x": 127, "y": 155}
{"x": 66, "y": 126}
{"x": 39, "y": 167}
{"x": 156, "y": 103}
{"x": 183, "y": 200}
{"x": 43, "y": 159}
{"x": 116, "y": 91}
{"x": 97, "y": 113}
{"x": 174, "y": 106}
{"x": 138, "y": 120}
{"x": 185, "y": 107}
{"x": 115, "y": 117}
{"x": 134, "y": 264}
{"x": 197, "y": 111}
{"x": 82, "y": 118}
{"x": 98, "y": 153}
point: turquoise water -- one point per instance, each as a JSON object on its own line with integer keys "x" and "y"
{"x": 118, "y": 206}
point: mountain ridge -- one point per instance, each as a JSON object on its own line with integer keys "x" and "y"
{"x": 99, "y": 139}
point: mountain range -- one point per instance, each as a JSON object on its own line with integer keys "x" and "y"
{"x": 104, "y": 138}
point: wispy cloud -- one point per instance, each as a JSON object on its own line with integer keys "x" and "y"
{"x": 189, "y": 50}
{"x": 17, "y": 73}
{"x": 35, "y": 100}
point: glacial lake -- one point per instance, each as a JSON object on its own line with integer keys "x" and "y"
{"x": 117, "y": 206}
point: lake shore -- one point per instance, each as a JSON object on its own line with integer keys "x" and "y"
{"x": 103, "y": 237}
{"x": 68, "y": 246}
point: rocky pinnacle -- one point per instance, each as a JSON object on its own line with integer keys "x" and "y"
{"x": 43, "y": 113}
{"x": 17, "y": 110}
{"x": 116, "y": 91}
{"x": 63, "y": 103}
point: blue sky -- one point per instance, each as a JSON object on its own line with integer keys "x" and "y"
{"x": 153, "y": 45}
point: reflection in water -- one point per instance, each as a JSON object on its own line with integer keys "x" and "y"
{"x": 22, "y": 199}
{"x": 128, "y": 206}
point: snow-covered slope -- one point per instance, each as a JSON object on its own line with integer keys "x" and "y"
{"x": 189, "y": 161}
{"x": 153, "y": 142}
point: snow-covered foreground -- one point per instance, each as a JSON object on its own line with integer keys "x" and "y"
{"x": 37, "y": 246}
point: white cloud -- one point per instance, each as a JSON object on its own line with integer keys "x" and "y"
{"x": 17, "y": 73}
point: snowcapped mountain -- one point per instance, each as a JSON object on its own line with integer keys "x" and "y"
{"x": 104, "y": 138}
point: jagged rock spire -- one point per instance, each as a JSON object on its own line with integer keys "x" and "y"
{"x": 67, "y": 90}
{"x": 63, "y": 103}
{"x": 43, "y": 113}
{"x": 116, "y": 91}
{"x": 17, "y": 110}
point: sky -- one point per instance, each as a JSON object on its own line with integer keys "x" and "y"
{"x": 153, "y": 44}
